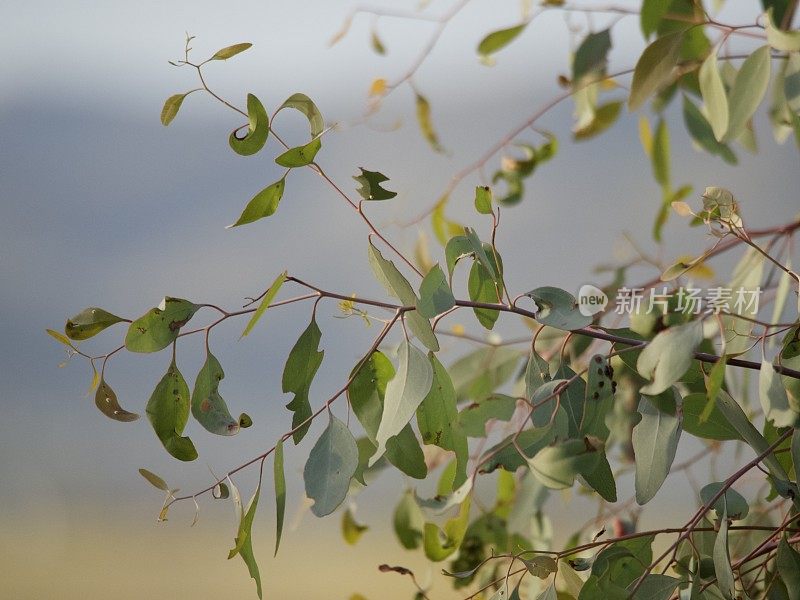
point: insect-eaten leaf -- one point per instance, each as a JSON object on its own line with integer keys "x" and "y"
{"x": 257, "y": 129}
{"x": 298, "y": 373}
{"x": 559, "y": 309}
{"x": 231, "y": 51}
{"x": 435, "y": 295}
{"x": 668, "y": 356}
{"x": 106, "y": 401}
{"x": 160, "y": 326}
{"x": 370, "y": 185}
{"x": 243, "y": 543}
{"x": 208, "y": 407}
{"x": 731, "y": 500}
{"x": 168, "y": 411}
{"x": 89, "y": 322}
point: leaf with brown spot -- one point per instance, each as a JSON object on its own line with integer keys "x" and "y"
{"x": 106, "y": 401}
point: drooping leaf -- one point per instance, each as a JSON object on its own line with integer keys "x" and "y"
{"x": 425, "y": 124}
{"x": 788, "y": 566}
{"x": 703, "y": 135}
{"x": 404, "y": 393}
{"x": 269, "y": 296}
{"x": 482, "y": 288}
{"x": 722, "y": 559}
{"x": 301, "y": 365}
{"x": 408, "y": 521}
{"x": 557, "y": 466}
{"x": 257, "y": 129}
{"x": 231, "y": 51}
{"x": 599, "y": 398}
{"x": 438, "y": 421}
{"x": 651, "y": 14}
{"x": 330, "y": 466}
{"x": 370, "y": 185}
{"x": 531, "y": 441}
{"x": 497, "y": 40}
{"x": 154, "y": 479}
{"x": 785, "y": 41}
{"x": 747, "y": 92}
{"x": 731, "y": 503}
{"x": 300, "y": 156}
{"x": 791, "y": 83}
{"x": 616, "y": 567}
{"x": 483, "y": 199}
{"x": 305, "y": 105}
{"x": 714, "y": 427}
{"x": 208, "y": 407}
{"x": 376, "y": 43}
{"x": 668, "y": 356}
{"x": 478, "y": 374}
{"x": 435, "y": 295}
{"x": 656, "y": 587}
{"x": 660, "y": 154}
{"x": 774, "y": 400}
{"x": 89, "y": 322}
{"x": 591, "y": 57}
{"x": 160, "y": 326}
{"x": 439, "y": 544}
{"x": 106, "y": 400}
{"x": 280, "y": 493}
{"x": 654, "y": 68}
{"x": 655, "y": 441}
{"x": 399, "y": 287}
{"x": 171, "y": 107}
{"x": 604, "y": 117}
{"x": 263, "y": 204}
{"x": 714, "y": 97}
{"x": 557, "y": 308}
{"x": 243, "y": 543}
{"x": 351, "y": 529}
{"x": 366, "y": 394}
{"x": 474, "y": 417}
{"x": 168, "y": 411}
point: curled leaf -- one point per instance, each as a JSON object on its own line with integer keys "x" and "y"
{"x": 257, "y": 129}
{"x": 106, "y": 400}
{"x": 89, "y": 322}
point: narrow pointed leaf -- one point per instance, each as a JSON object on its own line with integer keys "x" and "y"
{"x": 654, "y": 68}
{"x": 300, "y": 156}
{"x": 714, "y": 97}
{"x": 154, "y": 479}
{"x": 280, "y": 493}
{"x": 263, "y": 204}
{"x": 747, "y": 92}
{"x": 171, "y": 107}
{"x": 231, "y": 51}
{"x": 265, "y": 302}
{"x": 243, "y": 543}
{"x": 425, "y": 124}
{"x": 722, "y": 560}
{"x": 497, "y": 40}
{"x": 655, "y": 441}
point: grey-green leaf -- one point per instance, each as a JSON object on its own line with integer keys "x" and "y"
{"x": 208, "y": 407}
{"x": 408, "y": 521}
{"x": 330, "y": 466}
{"x": 557, "y": 308}
{"x": 557, "y": 466}
{"x": 747, "y": 92}
{"x": 435, "y": 295}
{"x": 714, "y": 97}
{"x": 263, "y": 204}
{"x": 731, "y": 503}
{"x": 654, "y": 68}
{"x": 722, "y": 560}
{"x": 668, "y": 356}
{"x": 591, "y": 56}
{"x": 655, "y": 441}
{"x": 89, "y": 322}
{"x": 154, "y": 479}
{"x": 305, "y": 105}
{"x": 168, "y": 411}
{"x": 404, "y": 393}
{"x": 774, "y": 400}
{"x": 280, "y": 493}
{"x": 160, "y": 326}
{"x": 788, "y": 566}
{"x": 656, "y": 587}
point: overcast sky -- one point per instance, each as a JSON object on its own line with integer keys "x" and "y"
{"x": 102, "y": 205}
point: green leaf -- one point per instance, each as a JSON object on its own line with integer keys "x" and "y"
{"x": 651, "y": 14}
{"x": 370, "y": 185}
{"x": 168, "y": 411}
{"x": 208, "y": 407}
{"x": 351, "y": 530}
{"x": 230, "y": 51}
{"x": 106, "y": 400}
{"x": 404, "y": 393}
{"x": 263, "y": 204}
{"x": 300, "y": 156}
{"x": 791, "y": 83}
{"x": 654, "y": 68}
{"x": 478, "y": 374}
{"x": 89, "y": 322}
{"x": 438, "y": 421}
{"x": 548, "y": 593}
{"x": 171, "y": 107}
{"x": 482, "y": 288}
{"x": 301, "y": 365}
{"x": 408, "y": 521}
{"x": 458, "y": 247}
{"x": 591, "y": 57}
{"x": 557, "y": 308}
{"x": 604, "y": 117}
{"x": 160, "y": 326}
{"x": 556, "y": 466}
{"x": 668, "y": 356}
{"x": 703, "y": 135}
{"x": 655, "y": 441}
{"x": 305, "y": 105}
{"x": 154, "y": 479}
{"x": 435, "y": 295}
{"x": 269, "y": 296}
{"x": 330, "y": 466}
{"x": 731, "y": 503}
{"x": 280, "y": 493}
{"x": 497, "y": 40}
{"x": 398, "y": 286}
{"x": 505, "y": 454}
{"x": 425, "y": 125}
{"x": 61, "y": 338}
{"x": 599, "y": 476}
{"x": 366, "y": 393}
{"x": 656, "y": 587}
{"x": 714, "y": 97}
{"x": 722, "y": 559}
{"x": 244, "y": 536}
{"x": 747, "y": 92}
{"x": 599, "y": 398}
{"x": 440, "y": 544}
{"x": 474, "y": 417}
{"x": 616, "y": 567}
{"x": 257, "y": 129}
{"x": 376, "y": 43}
{"x": 785, "y": 41}
{"x": 774, "y": 400}
{"x": 788, "y": 566}
{"x": 483, "y": 199}
{"x": 714, "y": 427}
{"x": 660, "y": 154}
